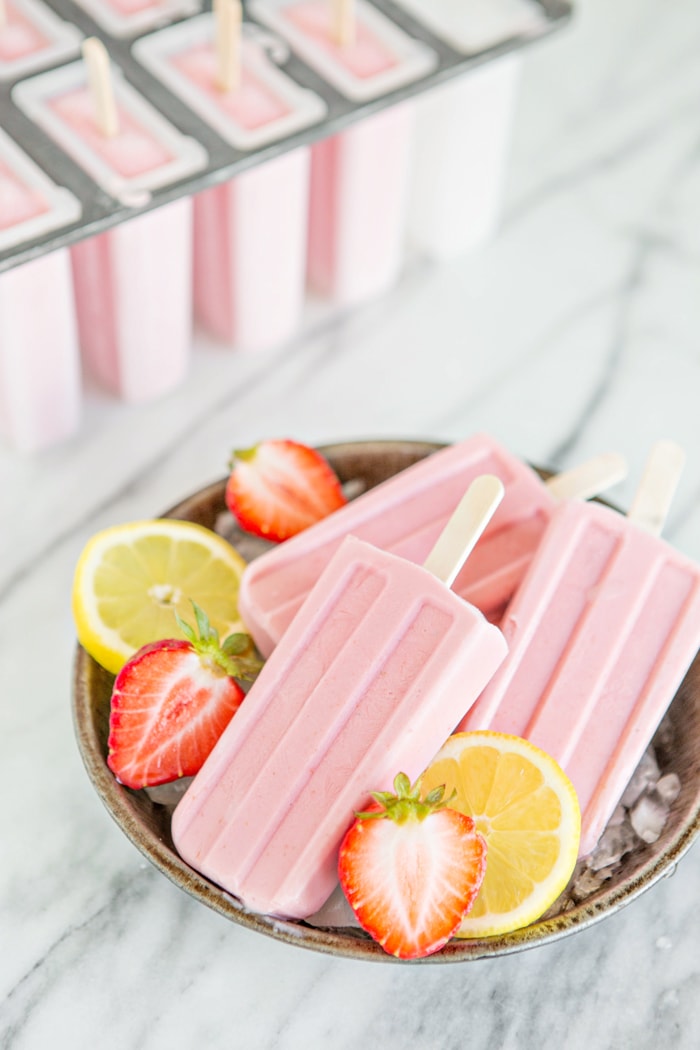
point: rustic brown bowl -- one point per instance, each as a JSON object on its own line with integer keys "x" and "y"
{"x": 147, "y": 824}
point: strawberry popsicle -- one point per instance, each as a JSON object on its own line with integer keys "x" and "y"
{"x": 129, "y": 17}
{"x": 32, "y": 37}
{"x": 250, "y": 233}
{"x": 463, "y": 135}
{"x": 40, "y": 392}
{"x": 405, "y": 514}
{"x": 132, "y": 283}
{"x": 370, "y": 678}
{"x": 463, "y": 128}
{"x": 601, "y": 633}
{"x": 359, "y": 177}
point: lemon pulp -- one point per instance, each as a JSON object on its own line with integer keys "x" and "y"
{"x": 131, "y": 579}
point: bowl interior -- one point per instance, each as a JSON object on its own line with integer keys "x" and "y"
{"x": 147, "y": 823}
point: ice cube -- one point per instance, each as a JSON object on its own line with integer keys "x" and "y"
{"x": 616, "y": 840}
{"x": 649, "y": 817}
{"x": 668, "y": 788}
{"x": 645, "y": 775}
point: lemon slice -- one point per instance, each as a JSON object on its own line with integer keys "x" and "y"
{"x": 527, "y": 810}
{"x": 131, "y": 579}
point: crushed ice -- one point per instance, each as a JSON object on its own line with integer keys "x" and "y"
{"x": 639, "y": 819}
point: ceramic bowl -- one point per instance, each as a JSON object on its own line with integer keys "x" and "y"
{"x": 147, "y": 823}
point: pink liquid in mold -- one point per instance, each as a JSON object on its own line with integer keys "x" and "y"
{"x": 131, "y": 152}
{"x": 365, "y": 57}
{"x": 18, "y": 202}
{"x": 132, "y": 7}
{"x": 252, "y": 105}
{"x": 18, "y": 36}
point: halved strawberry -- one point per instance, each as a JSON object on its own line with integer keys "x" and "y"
{"x": 172, "y": 701}
{"x": 279, "y": 487}
{"x": 411, "y": 869}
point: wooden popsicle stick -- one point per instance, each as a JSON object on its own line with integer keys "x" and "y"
{"x": 228, "y": 15}
{"x": 100, "y": 86}
{"x": 652, "y": 501}
{"x": 344, "y": 22}
{"x": 588, "y": 479}
{"x": 3, "y": 14}
{"x": 456, "y": 541}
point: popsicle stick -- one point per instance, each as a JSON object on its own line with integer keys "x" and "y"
{"x": 652, "y": 501}
{"x": 3, "y": 14}
{"x": 100, "y": 86}
{"x": 228, "y": 15}
{"x": 590, "y": 478}
{"x": 344, "y": 22}
{"x": 457, "y": 539}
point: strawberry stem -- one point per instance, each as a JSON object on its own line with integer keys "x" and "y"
{"x": 242, "y": 454}
{"x": 235, "y": 656}
{"x": 406, "y": 803}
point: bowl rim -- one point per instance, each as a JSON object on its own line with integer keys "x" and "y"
{"x": 121, "y": 803}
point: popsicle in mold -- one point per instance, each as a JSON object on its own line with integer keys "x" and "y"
{"x": 40, "y": 383}
{"x": 405, "y": 515}
{"x": 250, "y": 233}
{"x": 463, "y": 126}
{"x": 601, "y": 633}
{"x": 121, "y": 18}
{"x": 132, "y": 283}
{"x": 360, "y": 176}
{"x": 33, "y": 37}
{"x": 375, "y": 671}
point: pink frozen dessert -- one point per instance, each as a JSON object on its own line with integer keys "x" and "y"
{"x": 370, "y": 679}
{"x": 40, "y": 389}
{"x": 601, "y": 633}
{"x": 464, "y": 125}
{"x": 132, "y": 283}
{"x": 250, "y": 233}
{"x": 405, "y": 515}
{"x": 32, "y": 36}
{"x": 360, "y": 177}
{"x": 129, "y": 17}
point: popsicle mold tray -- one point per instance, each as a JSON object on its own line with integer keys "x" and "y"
{"x": 148, "y": 42}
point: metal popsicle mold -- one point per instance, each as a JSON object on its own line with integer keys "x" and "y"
{"x": 100, "y": 211}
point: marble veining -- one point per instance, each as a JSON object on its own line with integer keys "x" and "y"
{"x": 573, "y": 331}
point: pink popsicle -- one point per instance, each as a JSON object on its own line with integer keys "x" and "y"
{"x": 18, "y": 201}
{"x": 369, "y": 680}
{"x": 32, "y": 36}
{"x": 133, "y": 297}
{"x": 250, "y": 233}
{"x": 360, "y": 177}
{"x": 40, "y": 389}
{"x": 358, "y": 205}
{"x": 133, "y": 283}
{"x": 133, "y": 151}
{"x": 404, "y": 515}
{"x": 249, "y": 252}
{"x": 365, "y": 56}
{"x": 127, "y": 17}
{"x": 601, "y": 633}
{"x": 19, "y": 36}
{"x": 253, "y": 103}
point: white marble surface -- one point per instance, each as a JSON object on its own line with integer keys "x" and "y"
{"x": 576, "y": 330}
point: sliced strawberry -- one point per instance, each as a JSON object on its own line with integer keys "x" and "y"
{"x": 172, "y": 701}
{"x": 278, "y": 488}
{"x": 411, "y": 869}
